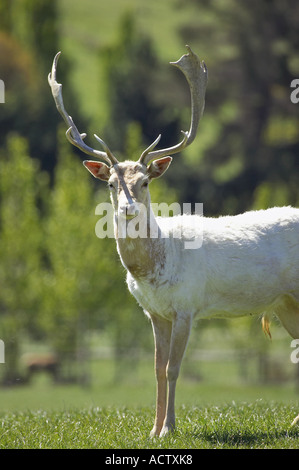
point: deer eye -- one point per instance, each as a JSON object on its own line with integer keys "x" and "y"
{"x": 144, "y": 184}
{"x": 111, "y": 186}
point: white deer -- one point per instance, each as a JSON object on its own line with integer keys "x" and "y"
{"x": 246, "y": 264}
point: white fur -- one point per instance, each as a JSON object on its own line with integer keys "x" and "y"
{"x": 246, "y": 265}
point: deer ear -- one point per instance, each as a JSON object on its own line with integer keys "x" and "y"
{"x": 158, "y": 167}
{"x": 98, "y": 169}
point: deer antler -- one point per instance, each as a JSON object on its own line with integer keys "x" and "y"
{"x": 196, "y": 74}
{"x": 72, "y": 134}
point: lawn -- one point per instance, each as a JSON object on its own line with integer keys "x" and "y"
{"x": 211, "y": 413}
{"x": 216, "y": 406}
{"x": 259, "y": 425}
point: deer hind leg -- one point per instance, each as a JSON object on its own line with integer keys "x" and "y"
{"x": 162, "y": 335}
{"x": 289, "y": 318}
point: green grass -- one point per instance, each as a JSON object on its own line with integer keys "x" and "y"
{"x": 217, "y": 412}
{"x": 216, "y": 406}
{"x": 246, "y": 425}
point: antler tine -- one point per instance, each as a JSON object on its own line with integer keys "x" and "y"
{"x": 72, "y": 134}
{"x": 196, "y": 74}
{"x": 150, "y": 148}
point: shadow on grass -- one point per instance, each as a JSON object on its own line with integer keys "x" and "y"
{"x": 247, "y": 439}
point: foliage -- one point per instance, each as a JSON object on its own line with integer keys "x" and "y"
{"x": 20, "y": 248}
{"x": 248, "y": 135}
{"x": 70, "y": 248}
{"x": 255, "y": 123}
{"x": 26, "y": 53}
{"x": 42, "y": 41}
{"x": 131, "y": 70}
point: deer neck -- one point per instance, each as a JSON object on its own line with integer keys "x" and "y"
{"x": 140, "y": 246}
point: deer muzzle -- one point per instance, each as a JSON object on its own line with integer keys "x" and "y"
{"x": 129, "y": 211}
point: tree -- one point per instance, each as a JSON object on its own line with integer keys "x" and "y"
{"x": 26, "y": 54}
{"x": 250, "y": 126}
{"x": 20, "y": 249}
{"x": 135, "y": 88}
{"x": 6, "y": 15}
{"x": 71, "y": 279}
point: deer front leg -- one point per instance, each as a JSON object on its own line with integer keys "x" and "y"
{"x": 162, "y": 335}
{"x": 179, "y": 337}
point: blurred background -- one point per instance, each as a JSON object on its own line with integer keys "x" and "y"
{"x": 71, "y": 330}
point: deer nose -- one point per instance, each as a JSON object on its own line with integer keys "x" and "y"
{"x": 129, "y": 211}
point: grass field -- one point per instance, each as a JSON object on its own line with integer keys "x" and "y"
{"x": 216, "y": 406}
{"x": 247, "y": 425}
{"x": 213, "y": 413}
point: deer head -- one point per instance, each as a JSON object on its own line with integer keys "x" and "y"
{"x": 128, "y": 181}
